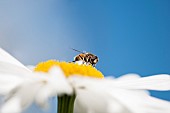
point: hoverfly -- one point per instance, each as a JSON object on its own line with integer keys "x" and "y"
{"x": 86, "y": 58}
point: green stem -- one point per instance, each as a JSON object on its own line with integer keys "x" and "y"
{"x": 66, "y": 104}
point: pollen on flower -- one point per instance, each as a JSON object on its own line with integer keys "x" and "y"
{"x": 70, "y": 68}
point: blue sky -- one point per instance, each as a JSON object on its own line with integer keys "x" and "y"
{"x": 128, "y": 36}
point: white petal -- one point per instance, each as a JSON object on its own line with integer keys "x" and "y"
{"x": 156, "y": 82}
{"x": 92, "y": 98}
{"x": 139, "y": 102}
{"x": 8, "y": 68}
{"x": 115, "y": 99}
{"x": 13, "y": 105}
{"x": 28, "y": 86}
{"x": 61, "y": 83}
{"x": 6, "y": 57}
{"x": 131, "y": 76}
{"x": 92, "y": 101}
{"x": 25, "y": 93}
{"x": 10, "y": 76}
{"x": 8, "y": 82}
{"x": 57, "y": 85}
{"x": 39, "y": 88}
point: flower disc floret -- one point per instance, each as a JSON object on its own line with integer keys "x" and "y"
{"x": 70, "y": 68}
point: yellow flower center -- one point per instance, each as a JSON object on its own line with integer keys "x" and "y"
{"x": 70, "y": 68}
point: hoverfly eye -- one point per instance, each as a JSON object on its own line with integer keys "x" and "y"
{"x": 95, "y": 59}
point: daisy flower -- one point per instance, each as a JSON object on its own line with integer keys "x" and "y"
{"x": 79, "y": 88}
